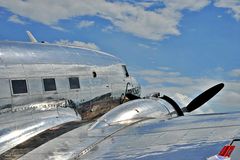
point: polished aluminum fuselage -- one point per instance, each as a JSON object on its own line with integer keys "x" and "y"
{"x": 34, "y": 62}
{"x": 38, "y": 108}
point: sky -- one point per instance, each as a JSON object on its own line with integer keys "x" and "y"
{"x": 176, "y": 47}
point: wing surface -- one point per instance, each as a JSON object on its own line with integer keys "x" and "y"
{"x": 189, "y": 137}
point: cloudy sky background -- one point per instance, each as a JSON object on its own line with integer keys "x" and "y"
{"x": 177, "y": 47}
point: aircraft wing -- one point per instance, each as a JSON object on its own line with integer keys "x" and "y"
{"x": 183, "y": 138}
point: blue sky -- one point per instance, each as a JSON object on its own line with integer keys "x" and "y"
{"x": 179, "y": 48}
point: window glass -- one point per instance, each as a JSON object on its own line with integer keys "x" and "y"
{"x": 49, "y": 84}
{"x": 19, "y": 86}
{"x": 74, "y": 83}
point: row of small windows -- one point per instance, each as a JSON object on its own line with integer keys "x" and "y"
{"x": 20, "y": 86}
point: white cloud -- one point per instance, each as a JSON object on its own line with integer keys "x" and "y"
{"x": 182, "y": 99}
{"x": 108, "y": 29}
{"x": 128, "y": 17}
{"x": 232, "y": 5}
{"x": 78, "y": 43}
{"x": 16, "y": 19}
{"x": 144, "y": 46}
{"x": 235, "y": 73}
{"x": 183, "y": 89}
{"x": 158, "y": 73}
{"x": 164, "y": 68}
{"x": 192, "y": 5}
{"x": 170, "y": 80}
{"x": 134, "y": 19}
{"x": 219, "y": 69}
{"x": 145, "y": 4}
{"x": 85, "y": 24}
{"x": 58, "y": 28}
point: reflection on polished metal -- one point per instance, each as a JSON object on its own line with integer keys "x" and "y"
{"x": 196, "y": 137}
{"x": 24, "y": 122}
{"x": 34, "y": 107}
{"x": 38, "y": 53}
{"x": 133, "y": 111}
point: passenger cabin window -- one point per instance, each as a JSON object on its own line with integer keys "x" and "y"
{"x": 19, "y": 86}
{"x": 125, "y": 71}
{"x": 74, "y": 82}
{"x": 49, "y": 84}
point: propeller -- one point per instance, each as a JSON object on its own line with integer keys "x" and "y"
{"x": 193, "y": 105}
{"x": 203, "y": 98}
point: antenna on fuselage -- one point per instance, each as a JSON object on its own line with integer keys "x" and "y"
{"x": 31, "y": 37}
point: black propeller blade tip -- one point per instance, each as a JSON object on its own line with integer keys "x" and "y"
{"x": 203, "y": 98}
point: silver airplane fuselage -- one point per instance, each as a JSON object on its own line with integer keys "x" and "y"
{"x": 40, "y": 82}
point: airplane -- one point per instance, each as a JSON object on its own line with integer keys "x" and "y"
{"x": 46, "y": 86}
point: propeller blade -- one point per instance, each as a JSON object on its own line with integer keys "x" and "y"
{"x": 174, "y": 105}
{"x": 203, "y": 98}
